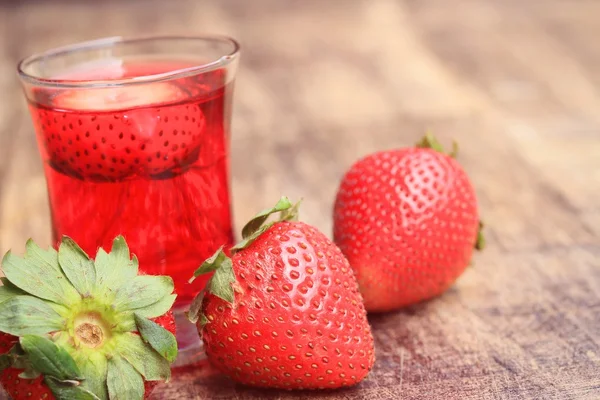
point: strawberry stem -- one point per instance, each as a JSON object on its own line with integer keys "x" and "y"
{"x": 430, "y": 142}
{"x": 480, "y": 242}
{"x": 91, "y": 330}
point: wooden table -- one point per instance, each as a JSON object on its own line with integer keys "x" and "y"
{"x": 322, "y": 83}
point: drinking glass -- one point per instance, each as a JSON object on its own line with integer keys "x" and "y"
{"x": 134, "y": 137}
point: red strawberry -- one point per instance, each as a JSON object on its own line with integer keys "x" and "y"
{"x": 407, "y": 221}
{"x": 284, "y": 311}
{"x": 97, "y": 144}
{"x": 72, "y": 327}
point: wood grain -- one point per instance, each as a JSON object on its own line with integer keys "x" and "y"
{"x": 323, "y": 83}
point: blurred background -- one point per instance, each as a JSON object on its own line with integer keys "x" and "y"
{"x": 322, "y": 83}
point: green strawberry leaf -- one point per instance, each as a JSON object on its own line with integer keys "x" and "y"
{"x": 16, "y": 358}
{"x": 8, "y": 290}
{"x": 29, "y": 373}
{"x": 124, "y": 382}
{"x": 291, "y": 214}
{"x": 49, "y": 359}
{"x": 257, "y": 225}
{"x": 142, "y": 291}
{"x": 142, "y": 357}
{"x": 244, "y": 243}
{"x": 5, "y": 362}
{"x": 39, "y": 272}
{"x": 158, "y": 337}
{"x": 256, "y": 222}
{"x": 480, "y": 242}
{"x": 430, "y": 142}
{"x": 28, "y": 315}
{"x": 77, "y": 266}
{"x": 19, "y": 358}
{"x": 211, "y": 264}
{"x": 94, "y": 370}
{"x": 157, "y": 309}
{"x": 203, "y": 320}
{"x": 194, "y": 312}
{"x": 68, "y": 390}
{"x": 220, "y": 284}
{"x": 115, "y": 269}
{"x": 454, "y": 152}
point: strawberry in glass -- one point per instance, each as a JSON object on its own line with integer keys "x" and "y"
{"x": 134, "y": 138}
{"x": 154, "y": 170}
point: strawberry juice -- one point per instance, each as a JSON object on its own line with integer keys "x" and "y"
{"x": 150, "y": 162}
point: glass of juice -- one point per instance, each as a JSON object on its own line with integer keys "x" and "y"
{"x": 134, "y": 137}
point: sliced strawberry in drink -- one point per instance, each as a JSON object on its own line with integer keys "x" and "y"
{"x": 92, "y": 143}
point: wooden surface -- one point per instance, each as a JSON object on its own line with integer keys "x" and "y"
{"x": 322, "y": 83}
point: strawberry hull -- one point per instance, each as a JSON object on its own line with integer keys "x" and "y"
{"x": 20, "y": 388}
{"x": 103, "y": 330}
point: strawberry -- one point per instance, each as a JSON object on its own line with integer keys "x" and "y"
{"x": 284, "y": 311}
{"x": 108, "y": 146}
{"x": 76, "y": 328}
{"x": 407, "y": 221}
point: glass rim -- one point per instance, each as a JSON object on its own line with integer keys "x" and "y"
{"x": 223, "y": 60}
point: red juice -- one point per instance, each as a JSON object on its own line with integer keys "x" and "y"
{"x": 149, "y": 162}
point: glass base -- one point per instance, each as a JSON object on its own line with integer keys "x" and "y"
{"x": 191, "y": 349}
